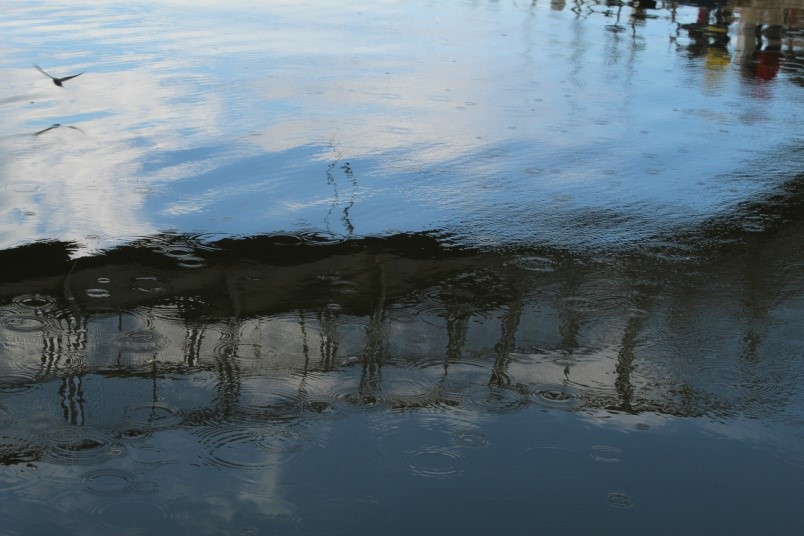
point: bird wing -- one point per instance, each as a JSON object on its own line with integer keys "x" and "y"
{"x": 48, "y": 128}
{"x": 38, "y": 68}
{"x": 68, "y": 77}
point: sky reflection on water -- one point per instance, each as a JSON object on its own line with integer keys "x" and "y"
{"x": 501, "y": 122}
{"x": 188, "y": 344}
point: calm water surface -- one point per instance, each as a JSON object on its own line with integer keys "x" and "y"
{"x": 445, "y": 267}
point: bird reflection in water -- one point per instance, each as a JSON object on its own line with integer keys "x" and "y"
{"x": 58, "y": 125}
{"x": 58, "y": 81}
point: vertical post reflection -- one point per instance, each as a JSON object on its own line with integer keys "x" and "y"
{"x": 570, "y": 317}
{"x": 507, "y": 343}
{"x": 192, "y": 343}
{"x": 68, "y": 348}
{"x": 623, "y": 384}
{"x": 457, "y": 322}
{"x": 227, "y": 391}
{"x": 227, "y": 396}
{"x": 72, "y": 399}
{"x": 329, "y": 338}
{"x": 331, "y": 180}
{"x": 375, "y": 349}
{"x": 625, "y": 365}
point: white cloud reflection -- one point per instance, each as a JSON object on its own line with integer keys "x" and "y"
{"x": 459, "y": 113}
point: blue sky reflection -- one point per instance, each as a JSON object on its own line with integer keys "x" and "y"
{"x": 498, "y": 121}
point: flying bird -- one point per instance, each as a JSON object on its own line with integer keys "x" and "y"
{"x": 57, "y": 81}
{"x": 57, "y": 125}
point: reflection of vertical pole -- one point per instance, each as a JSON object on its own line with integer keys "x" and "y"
{"x": 331, "y": 181}
{"x": 457, "y": 322}
{"x": 374, "y": 350}
{"x": 194, "y": 336}
{"x": 569, "y": 329}
{"x": 507, "y": 343}
{"x": 755, "y": 312}
{"x": 154, "y": 385}
{"x": 571, "y": 318}
{"x": 68, "y": 291}
{"x": 72, "y": 399}
{"x": 763, "y": 280}
{"x": 627, "y": 354}
{"x": 347, "y": 222}
{"x": 228, "y": 388}
{"x": 335, "y": 201}
{"x": 74, "y": 342}
{"x": 50, "y": 354}
{"x": 119, "y": 360}
{"x": 192, "y": 345}
{"x": 305, "y": 354}
{"x": 625, "y": 364}
{"x": 68, "y": 344}
{"x": 305, "y": 345}
{"x": 329, "y": 338}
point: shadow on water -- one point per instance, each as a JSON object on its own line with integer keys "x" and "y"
{"x": 261, "y": 355}
{"x": 347, "y": 323}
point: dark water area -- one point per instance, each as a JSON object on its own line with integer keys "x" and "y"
{"x": 436, "y": 267}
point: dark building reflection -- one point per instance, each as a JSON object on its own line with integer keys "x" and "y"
{"x": 687, "y": 326}
{"x": 331, "y": 323}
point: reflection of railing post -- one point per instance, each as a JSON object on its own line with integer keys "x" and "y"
{"x": 228, "y": 388}
{"x": 225, "y": 355}
{"x": 52, "y": 352}
{"x": 627, "y": 354}
{"x": 374, "y": 349}
{"x": 66, "y": 346}
{"x": 570, "y": 319}
{"x": 72, "y": 399}
{"x": 330, "y": 178}
{"x": 49, "y": 354}
{"x": 625, "y": 364}
{"x": 329, "y": 339}
{"x": 305, "y": 345}
{"x": 457, "y": 322}
{"x": 347, "y": 222}
{"x": 192, "y": 344}
{"x": 507, "y": 342}
{"x": 305, "y": 355}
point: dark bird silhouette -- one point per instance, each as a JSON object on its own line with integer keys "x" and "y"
{"x": 57, "y": 81}
{"x": 57, "y": 125}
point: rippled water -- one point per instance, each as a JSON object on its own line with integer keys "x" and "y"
{"x": 446, "y": 267}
